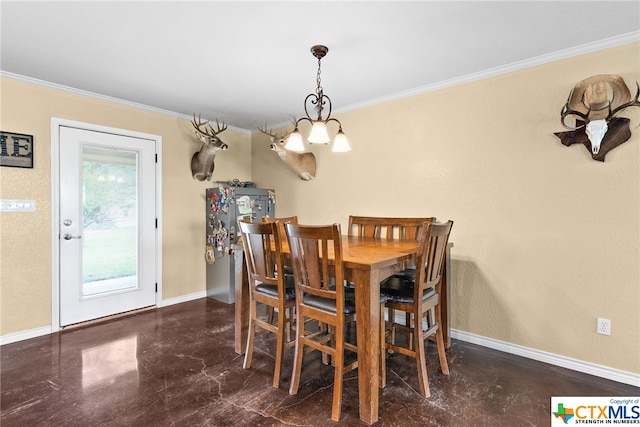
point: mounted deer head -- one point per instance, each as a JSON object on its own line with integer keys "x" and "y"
{"x": 303, "y": 164}
{"x": 202, "y": 161}
{"x": 595, "y": 102}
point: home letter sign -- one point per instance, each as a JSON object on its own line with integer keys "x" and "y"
{"x": 16, "y": 150}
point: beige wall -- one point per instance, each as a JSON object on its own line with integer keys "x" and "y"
{"x": 25, "y": 254}
{"x": 545, "y": 238}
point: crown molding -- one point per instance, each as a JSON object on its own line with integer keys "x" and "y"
{"x": 100, "y": 97}
{"x": 504, "y": 69}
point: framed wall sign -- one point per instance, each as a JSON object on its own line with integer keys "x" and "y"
{"x": 16, "y": 150}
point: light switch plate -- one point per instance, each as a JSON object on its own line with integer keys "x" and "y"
{"x": 13, "y": 205}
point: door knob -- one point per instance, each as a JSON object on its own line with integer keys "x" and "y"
{"x": 68, "y": 236}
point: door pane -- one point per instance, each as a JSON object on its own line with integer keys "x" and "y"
{"x": 110, "y": 220}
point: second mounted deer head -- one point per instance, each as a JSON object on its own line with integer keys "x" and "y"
{"x": 202, "y": 161}
{"x": 303, "y": 164}
{"x": 595, "y": 102}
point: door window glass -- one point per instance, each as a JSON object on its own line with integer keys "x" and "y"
{"x": 109, "y": 219}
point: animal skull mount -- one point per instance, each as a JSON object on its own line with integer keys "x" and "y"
{"x": 594, "y": 102}
{"x": 303, "y": 164}
{"x": 202, "y": 161}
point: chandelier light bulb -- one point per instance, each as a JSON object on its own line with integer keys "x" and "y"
{"x": 319, "y": 133}
{"x": 341, "y": 143}
{"x": 294, "y": 142}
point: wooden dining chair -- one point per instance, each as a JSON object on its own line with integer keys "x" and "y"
{"x": 390, "y": 228}
{"x": 319, "y": 286}
{"x": 282, "y": 221}
{"x": 387, "y": 227}
{"x": 420, "y": 297}
{"x": 267, "y": 287}
{"x": 283, "y": 238}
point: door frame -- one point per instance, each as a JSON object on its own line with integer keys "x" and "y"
{"x": 56, "y": 123}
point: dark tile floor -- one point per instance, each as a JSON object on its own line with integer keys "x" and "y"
{"x": 176, "y": 366}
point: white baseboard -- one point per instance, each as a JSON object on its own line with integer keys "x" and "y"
{"x": 25, "y": 335}
{"x": 550, "y": 358}
{"x": 46, "y": 330}
{"x": 183, "y": 298}
{"x": 506, "y": 347}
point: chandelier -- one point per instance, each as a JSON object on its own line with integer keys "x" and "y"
{"x": 319, "y": 102}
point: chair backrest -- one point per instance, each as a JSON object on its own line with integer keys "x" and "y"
{"x": 314, "y": 271}
{"x": 387, "y": 228}
{"x": 281, "y": 221}
{"x": 433, "y": 244}
{"x": 263, "y": 253}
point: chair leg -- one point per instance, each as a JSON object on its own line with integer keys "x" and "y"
{"x": 383, "y": 351}
{"x": 299, "y": 352}
{"x": 421, "y": 360}
{"x": 289, "y": 323}
{"x": 444, "y": 366}
{"x": 282, "y": 326}
{"x": 248, "y": 354}
{"x": 326, "y": 328}
{"x": 409, "y": 323}
{"x": 338, "y": 373}
{"x": 392, "y": 322}
{"x": 332, "y": 332}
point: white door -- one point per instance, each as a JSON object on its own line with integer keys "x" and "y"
{"x": 107, "y": 224}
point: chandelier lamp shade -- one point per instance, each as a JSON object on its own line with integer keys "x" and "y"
{"x": 319, "y": 102}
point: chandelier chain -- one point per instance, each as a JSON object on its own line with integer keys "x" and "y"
{"x": 318, "y": 81}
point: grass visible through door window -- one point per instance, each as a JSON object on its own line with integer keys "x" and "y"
{"x": 109, "y": 254}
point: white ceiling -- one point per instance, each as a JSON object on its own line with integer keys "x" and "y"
{"x": 248, "y": 63}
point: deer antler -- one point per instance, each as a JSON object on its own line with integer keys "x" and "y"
{"x": 566, "y": 111}
{"x": 210, "y": 132}
{"x": 270, "y": 133}
{"x": 633, "y": 103}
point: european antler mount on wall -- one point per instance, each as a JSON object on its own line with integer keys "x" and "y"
{"x": 594, "y": 102}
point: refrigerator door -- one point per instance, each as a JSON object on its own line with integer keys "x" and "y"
{"x": 233, "y": 204}
{"x": 254, "y": 204}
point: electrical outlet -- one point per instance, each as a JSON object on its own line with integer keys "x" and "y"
{"x": 604, "y": 326}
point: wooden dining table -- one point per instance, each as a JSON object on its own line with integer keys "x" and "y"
{"x": 366, "y": 263}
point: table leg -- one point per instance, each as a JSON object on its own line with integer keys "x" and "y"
{"x": 241, "y": 320}
{"x": 368, "y": 330}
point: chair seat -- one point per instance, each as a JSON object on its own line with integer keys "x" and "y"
{"x": 350, "y": 295}
{"x": 409, "y": 273}
{"x": 289, "y": 281}
{"x": 400, "y": 290}
{"x": 328, "y": 304}
{"x": 272, "y": 291}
